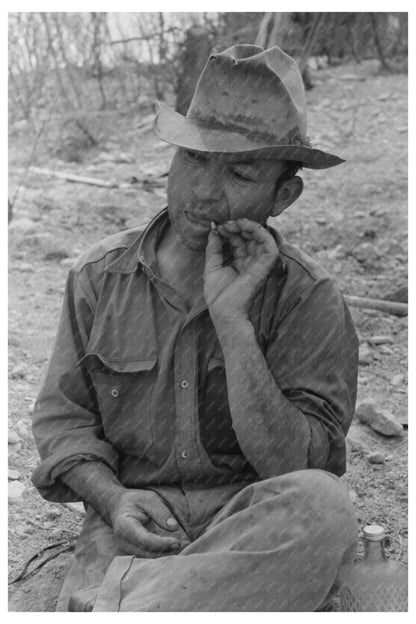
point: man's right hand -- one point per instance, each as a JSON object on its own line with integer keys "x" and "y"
{"x": 130, "y": 511}
{"x": 137, "y": 516}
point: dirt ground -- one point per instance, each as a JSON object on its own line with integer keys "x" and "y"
{"x": 354, "y": 111}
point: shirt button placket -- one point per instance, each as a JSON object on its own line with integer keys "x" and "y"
{"x": 185, "y": 374}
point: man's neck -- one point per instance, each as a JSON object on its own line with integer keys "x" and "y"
{"x": 180, "y": 255}
{"x": 181, "y": 267}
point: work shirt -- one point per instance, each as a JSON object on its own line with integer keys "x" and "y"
{"x": 137, "y": 380}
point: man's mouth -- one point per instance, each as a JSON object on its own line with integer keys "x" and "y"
{"x": 203, "y": 224}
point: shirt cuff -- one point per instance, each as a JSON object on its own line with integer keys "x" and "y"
{"x": 46, "y": 477}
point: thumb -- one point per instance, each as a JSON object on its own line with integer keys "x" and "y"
{"x": 161, "y": 514}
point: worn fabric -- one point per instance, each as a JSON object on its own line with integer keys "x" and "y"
{"x": 137, "y": 380}
{"x": 282, "y": 544}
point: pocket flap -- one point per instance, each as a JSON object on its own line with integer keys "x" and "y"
{"x": 117, "y": 365}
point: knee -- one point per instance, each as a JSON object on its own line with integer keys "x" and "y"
{"x": 317, "y": 495}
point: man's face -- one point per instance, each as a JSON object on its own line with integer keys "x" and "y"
{"x": 205, "y": 187}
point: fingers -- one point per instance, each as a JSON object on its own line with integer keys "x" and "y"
{"x": 251, "y": 230}
{"x": 137, "y": 535}
{"x": 213, "y": 253}
{"x": 156, "y": 509}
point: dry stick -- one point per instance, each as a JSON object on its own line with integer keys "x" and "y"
{"x": 392, "y": 307}
{"x": 32, "y": 155}
{"x": 71, "y": 177}
{"x": 64, "y": 547}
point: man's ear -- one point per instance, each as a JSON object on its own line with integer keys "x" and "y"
{"x": 286, "y": 194}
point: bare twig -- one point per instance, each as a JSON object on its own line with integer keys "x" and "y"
{"x": 64, "y": 547}
{"x": 32, "y": 155}
{"x": 72, "y": 177}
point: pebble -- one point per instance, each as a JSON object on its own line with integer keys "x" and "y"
{"x": 22, "y": 429}
{"x": 19, "y": 371}
{"x": 366, "y": 253}
{"x": 365, "y": 356}
{"x": 379, "y": 340}
{"x": 385, "y": 350}
{"x": 13, "y": 438}
{"x": 376, "y": 458}
{"x": 359, "y": 214}
{"x": 321, "y": 220}
{"x": 22, "y": 226}
{"x": 25, "y": 267}
{"x": 381, "y": 420}
{"x": 13, "y": 474}
{"x": 68, "y": 262}
{"x": 396, "y": 380}
{"x": 15, "y": 491}
{"x": 339, "y": 252}
{"x": 40, "y": 239}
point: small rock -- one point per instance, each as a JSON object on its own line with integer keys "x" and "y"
{"x": 13, "y": 438}
{"x": 385, "y": 350}
{"x": 366, "y": 253}
{"x": 15, "y": 491}
{"x": 359, "y": 214}
{"x": 321, "y": 220}
{"x": 365, "y": 356}
{"x": 339, "y": 252}
{"x": 53, "y": 514}
{"x": 379, "y": 340}
{"x": 353, "y": 496}
{"x": 19, "y": 371}
{"x": 396, "y": 380}
{"x": 25, "y": 267}
{"x": 40, "y": 239}
{"x": 68, "y": 262}
{"x": 22, "y": 226}
{"x": 22, "y": 429}
{"x": 381, "y": 420}
{"x": 376, "y": 458}
{"x": 13, "y": 474}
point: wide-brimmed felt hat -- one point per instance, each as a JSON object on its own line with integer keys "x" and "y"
{"x": 246, "y": 99}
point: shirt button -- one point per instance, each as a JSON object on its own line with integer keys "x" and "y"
{"x": 115, "y": 393}
{"x": 184, "y": 454}
{"x": 184, "y": 383}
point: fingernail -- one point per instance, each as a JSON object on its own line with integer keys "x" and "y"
{"x": 174, "y": 546}
{"x": 171, "y": 522}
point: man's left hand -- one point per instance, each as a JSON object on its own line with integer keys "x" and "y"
{"x": 229, "y": 290}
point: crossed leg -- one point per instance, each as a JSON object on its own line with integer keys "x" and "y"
{"x": 282, "y": 544}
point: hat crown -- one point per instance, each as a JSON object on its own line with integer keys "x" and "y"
{"x": 254, "y": 92}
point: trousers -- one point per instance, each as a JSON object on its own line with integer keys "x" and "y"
{"x": 282, "y": 544}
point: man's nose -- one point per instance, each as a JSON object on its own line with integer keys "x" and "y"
{"x": 207, "y": 187}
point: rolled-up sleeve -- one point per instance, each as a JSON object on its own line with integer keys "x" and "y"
{"x": 66, "y": 421}
{"x": 314, "y": 359}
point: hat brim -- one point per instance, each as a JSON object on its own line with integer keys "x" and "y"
{"x": 176, "y": 129}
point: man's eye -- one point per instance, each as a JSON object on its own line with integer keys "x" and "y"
{"x": 194, "y": 157}
{"x": 240, "y": 176}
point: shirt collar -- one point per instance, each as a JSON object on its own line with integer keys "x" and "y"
{"x": 143, "y": 250}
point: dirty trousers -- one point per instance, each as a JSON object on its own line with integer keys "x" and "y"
{"x": 282, "y": 544}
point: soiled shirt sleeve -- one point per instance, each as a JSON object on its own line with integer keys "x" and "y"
{"x": 66, "y": 421}
{"x": 314, "y": 359}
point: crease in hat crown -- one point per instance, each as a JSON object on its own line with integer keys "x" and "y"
{"x": 246, "y": 99}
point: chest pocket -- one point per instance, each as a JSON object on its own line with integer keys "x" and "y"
{"x": 124, "y": 395}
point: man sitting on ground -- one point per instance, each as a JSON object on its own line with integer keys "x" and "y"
{"x": 204, "y": 375}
